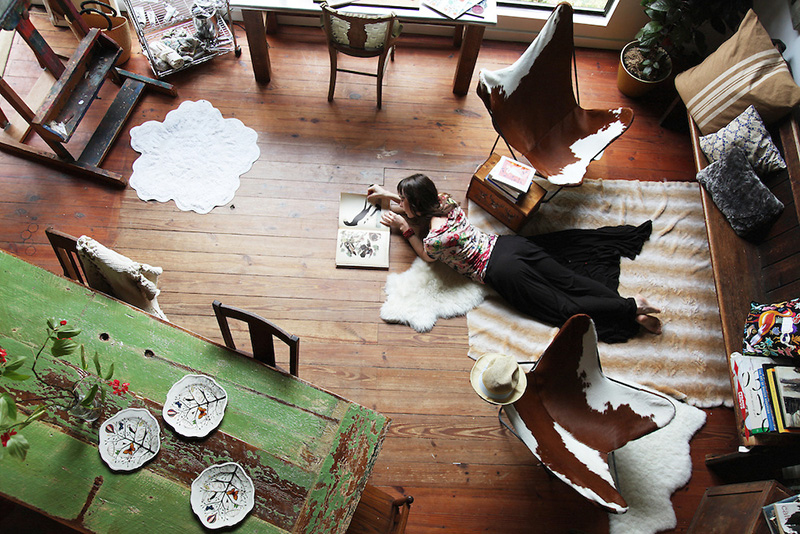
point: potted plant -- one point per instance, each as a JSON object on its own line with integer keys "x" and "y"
{"x": 642, "y": 67}
{"x": 674, "y": 34}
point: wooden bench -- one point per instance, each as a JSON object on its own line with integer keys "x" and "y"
{"x": 768, "y": 271}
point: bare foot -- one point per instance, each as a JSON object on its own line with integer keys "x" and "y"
{"x": 651, "y": 324}
{"x": 643, "y": 307}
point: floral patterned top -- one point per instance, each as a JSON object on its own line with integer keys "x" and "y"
{"x": 460, "y": 245}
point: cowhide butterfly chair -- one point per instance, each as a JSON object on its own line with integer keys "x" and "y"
{"x": 572, "y": 417}
{"x": 533, "y": 107}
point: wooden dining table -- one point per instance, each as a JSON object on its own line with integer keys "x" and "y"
{"x": 308, "y": 451}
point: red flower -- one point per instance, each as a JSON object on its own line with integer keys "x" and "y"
{"x": 7, "y": 436}
{"x": 3, "y": 355}
{"x": 119, "y": 389}
{"x": 63, "y": 322}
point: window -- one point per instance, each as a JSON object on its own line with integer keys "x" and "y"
{"x": 589, "y": 7}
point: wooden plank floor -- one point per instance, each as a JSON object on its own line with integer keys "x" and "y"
{"x": 271, "y": 251}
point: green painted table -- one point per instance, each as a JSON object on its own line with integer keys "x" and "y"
{"x": 308, "y": 451}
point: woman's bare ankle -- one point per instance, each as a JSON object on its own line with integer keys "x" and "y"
{"x": 643, "y": 307}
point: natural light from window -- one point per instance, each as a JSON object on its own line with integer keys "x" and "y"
{"x": 588, "y": 6}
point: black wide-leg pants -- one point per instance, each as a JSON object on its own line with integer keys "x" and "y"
{"x": 552, "y": 277}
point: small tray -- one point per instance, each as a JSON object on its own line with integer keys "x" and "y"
{"x": 195, "y": 405}
{"x": 222, "y": 495}
{"x": 129, "y": 439}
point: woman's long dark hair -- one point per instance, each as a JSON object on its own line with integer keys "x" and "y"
{"x": 423, "y": 198}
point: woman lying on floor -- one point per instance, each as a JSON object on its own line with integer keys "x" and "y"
{"x": 549, "y": 277}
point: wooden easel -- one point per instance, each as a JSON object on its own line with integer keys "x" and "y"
{"x": 74, "y": 90}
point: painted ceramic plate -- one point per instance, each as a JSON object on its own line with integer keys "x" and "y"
{"x": 222, "y": 495}
{"x": 129, "y": 439}
{"x": 195, "y": 405}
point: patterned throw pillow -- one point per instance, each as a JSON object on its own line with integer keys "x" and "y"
{"x": 747, "y": 131}
{"x": 772, "y": 329}
{"x": 748, "y": 205}
{"x": 746, "y": 69}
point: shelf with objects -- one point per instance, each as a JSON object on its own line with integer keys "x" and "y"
{"x": 55, "y": 109}
{"x": 178, "y": 34}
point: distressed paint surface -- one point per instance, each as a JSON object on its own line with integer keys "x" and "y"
{"x": 309, "y": 452}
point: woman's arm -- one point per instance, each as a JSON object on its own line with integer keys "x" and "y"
{"x": 393, "y": 220}
{"x": 377, "y": 192}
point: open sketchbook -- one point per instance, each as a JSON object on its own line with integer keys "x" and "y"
{"x": 361, "y": 241}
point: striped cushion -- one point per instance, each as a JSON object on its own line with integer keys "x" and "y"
{"x": 745, "y": 70}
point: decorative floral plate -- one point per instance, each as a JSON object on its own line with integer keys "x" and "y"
{"x": 222, "y": 495}
{"x": 195, "y": 405}
{"x": 129, "y": 438}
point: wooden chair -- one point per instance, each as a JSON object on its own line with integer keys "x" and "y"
{"x": 380, "y": 513}
{"x": 107, "y": 271}
{"x": 65, "y": 248}
{"x": 534, "y": 109}
{"x": 262, "y": 334}
{"x": 572, "y": 417}
{"x": 359, "y": 36}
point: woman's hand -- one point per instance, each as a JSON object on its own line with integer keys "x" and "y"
{"x": 376, "y": 193}
{"x": 393, "y": 220}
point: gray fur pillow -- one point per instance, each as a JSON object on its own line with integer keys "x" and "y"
{"x": 743, "y": 199}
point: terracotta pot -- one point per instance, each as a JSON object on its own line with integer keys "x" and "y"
{"x": 632, "y": 86}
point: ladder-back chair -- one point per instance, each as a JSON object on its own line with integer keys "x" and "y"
{"x": 65, "y": 247}
{"x": 262, "y": 334}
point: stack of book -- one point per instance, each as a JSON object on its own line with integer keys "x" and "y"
{"x": 511, "y": 178}
{"x": 767, "y": 393}
{"x": 783, "y": 517}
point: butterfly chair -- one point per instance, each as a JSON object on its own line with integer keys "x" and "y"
{"x": 380, "y": 513}
{"x": 88, "y": 262}
{"x": 262, "y": 334}
{"x": 360, "y": 36}
{"x": 533, "y": 107}
{"x": 572, "y": 417}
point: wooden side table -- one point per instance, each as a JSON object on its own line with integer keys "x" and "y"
{"x": 736, "y": 508}
{"x": 512, "y": 214}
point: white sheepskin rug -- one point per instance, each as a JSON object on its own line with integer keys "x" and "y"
{"x": 650, "y": 469}
{"x": 427, "y": 292}
{"x": 195, "y": 157}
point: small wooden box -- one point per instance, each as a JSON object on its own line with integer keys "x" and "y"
{"x": 736, "y": 508}
{"x": 512, "y": 214}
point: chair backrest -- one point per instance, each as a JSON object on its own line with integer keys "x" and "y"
{"x": 380, "y": 513}
{"x": 359, "y": 35}
{"x": 572, "y": 416}
{"x": 533, "y": 106}
{"x": 262, "y": 334}
{"x": 100, "y": 268}
{"x": 65, "y": 248}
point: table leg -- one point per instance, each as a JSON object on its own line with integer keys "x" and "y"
{"x": 468, "y": 56}
{"x": 257, "y": 43}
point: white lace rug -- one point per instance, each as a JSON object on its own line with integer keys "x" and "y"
{"x": 195, "y": 157}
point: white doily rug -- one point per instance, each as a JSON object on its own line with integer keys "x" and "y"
{"x": 195, "y": 157}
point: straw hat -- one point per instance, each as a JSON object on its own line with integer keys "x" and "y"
{"x": 498, "y": 378}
